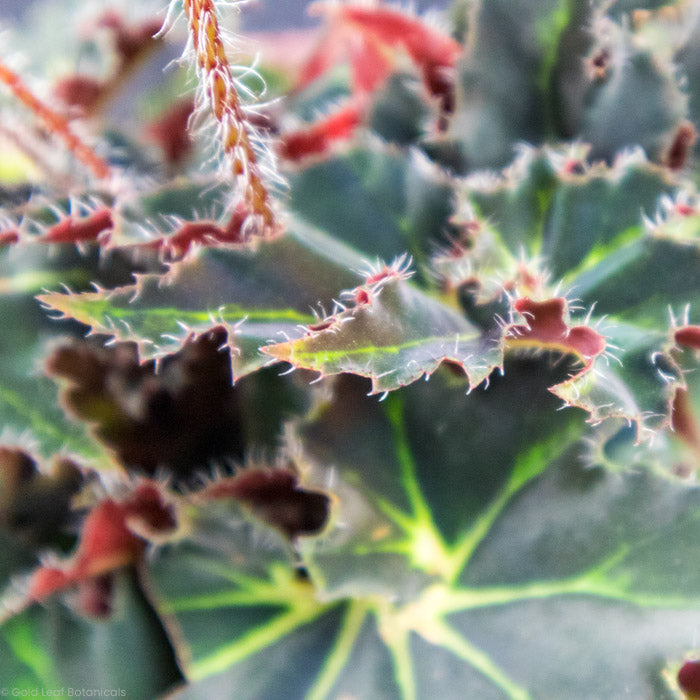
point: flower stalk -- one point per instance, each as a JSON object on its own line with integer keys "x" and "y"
{"x": 218, "y": 88}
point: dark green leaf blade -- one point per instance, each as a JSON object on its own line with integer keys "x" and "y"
{"x": 381, "y": 201}
{"x": 394, "y": 334}
{"x": 45, "y": 649}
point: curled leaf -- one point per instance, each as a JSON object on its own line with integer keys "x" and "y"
{"x": 113, "y": 536}
{"x": 276, "y": 497}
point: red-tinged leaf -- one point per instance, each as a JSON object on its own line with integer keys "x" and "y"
{"x": 547, "y": 327}
{"x": 286, "y": 52}
{"x": 48, "y": 580}
{"x": 112, "y": 537}
{"x": 256, "y": 293}
{"x": 79, "y": 92}
{"x": 681, "y": 146}
{"x": 79, "y": 230}
{"x": 95, "y": 596}
{"x": 369, "y": 36}
{"x": 130, "y": 40}
{"x": 204, "y": 233}
{"x": 689, "y": 678}
{"x": 35, "y": 502}
{"x": 276, "y": 497}
{"x": 327, "y": 53}
{"x": 9, "y": 237}
{"x": 170, "y": 132}
{"x": 319, "y": 137}
{"x": 371, "y": 63}
{"x": 688, "y": 337}
{"x": 426, "y": 46}
{"x": 394, "y": 334}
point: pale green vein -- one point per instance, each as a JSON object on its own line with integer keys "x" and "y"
{"x": 42, "y": 427}
{"x": 91, "y": 308}
{"x": 398, "y": 644}
{"x": 18, "y": 635}
{"x": 339, "y": 654}
{"x": 601, "y": 252}
{"x": 404, "y": 521}
{"x": 332, "y": 355}
{"x": 227, "y": 313}
{"x": 467, "y": 599}
{"x": 227, "y": 573}
{"x": 527, "y": 467}
{"x": 255, "y": 640}
{"x": 549, "y": 30}
{"x": 18, "y": 403}
{"x": 282, "y": 589}
{"x": 394, "y": 409}
{"x": 592, "y": 582}
{"x": 33, "y": 281}
{"x": 460, "y": 647}
{"x": 402, "y": 546}
{"x": 424, "y": 545}
{"x": 223, "y": 599}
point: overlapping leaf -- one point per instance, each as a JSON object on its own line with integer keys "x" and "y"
{"x": 47, "y": 649}
{"x": 256, "y": 295}
{"x": 552, "y": 70}
{"x": 228, "y": 593}
{"x": 590, "y": 226}
{"x": 395, "y": 334}
{"x": 448, "y": 547}
{"x": 27, "y": 397}
{"x": 555, "y": 204}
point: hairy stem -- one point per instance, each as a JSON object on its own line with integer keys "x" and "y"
{"x": 218, "y": 87}
{"x": 54, "y": 122}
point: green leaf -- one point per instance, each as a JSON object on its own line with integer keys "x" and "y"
{"x": 449, "y": 546}
{"x": 28, "y": 399}
{"x": 508, "y": 83}
{"x": 572, "y": 218}
{"x": 387, "y": 457}
{"x": 257, "y": 295}
{"x": 394, "y": 337}
{"x": 517, "y": 530}
{"x": 687, "y": 59}
{"x": 528, "y": 76}
{"x": 612, "y": 120}
{"x": 228, "y": 593}
{"x": 634, "y": 381}
{"x": 381, "y": 201}
{"x": 640, "y": 281}
{"x": 591, "y": 227}
{"x": 49, "y": 648}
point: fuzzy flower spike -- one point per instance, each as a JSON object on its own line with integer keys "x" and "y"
{"x": 217, "y": 89}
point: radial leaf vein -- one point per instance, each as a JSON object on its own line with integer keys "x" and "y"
{"x": 527, "y": 467}
{"x": 254, "y": 641}
{"x": 449, "y": 639}
{"x": 339, "y": 654}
